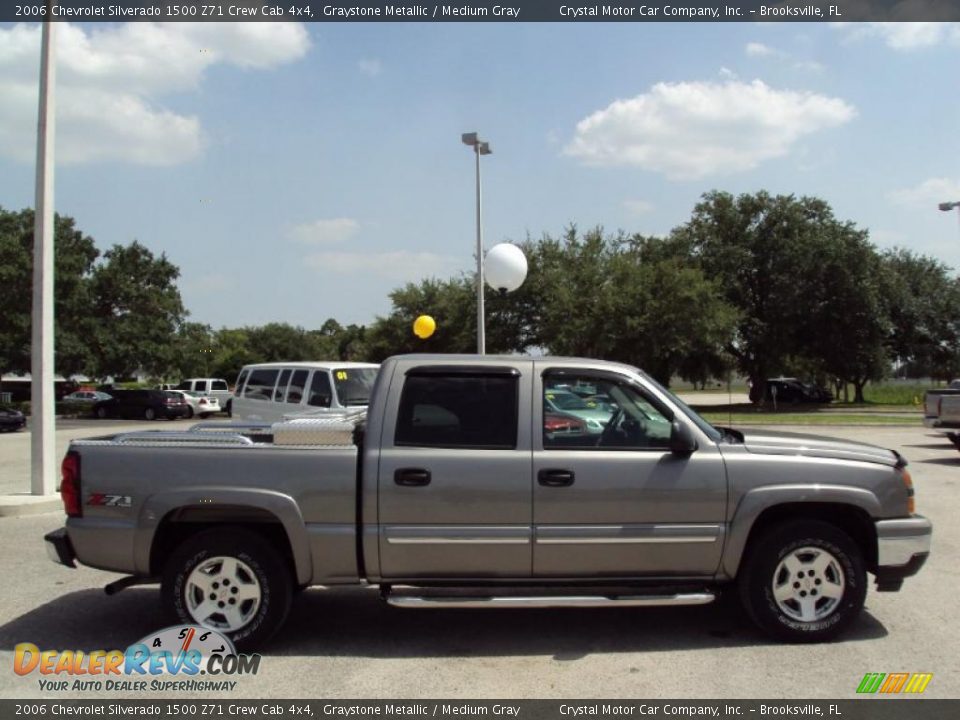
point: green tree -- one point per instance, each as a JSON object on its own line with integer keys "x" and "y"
{"x": 74, "y": 256}
{"x": 137, "y": 308}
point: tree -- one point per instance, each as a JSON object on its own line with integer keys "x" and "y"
{"x": 922, "y": 304}
{"x": 74, "y": 256}
{"x": 767, "y": 253}
{"x": 137, "y": 309}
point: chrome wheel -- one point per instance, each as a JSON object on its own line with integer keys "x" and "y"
{"x": 808, "y": 584}
{"x": 223, "y": 593}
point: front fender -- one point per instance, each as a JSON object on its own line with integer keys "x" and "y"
{"x": 756, "y": 501}
{"x": 283, "y": 507}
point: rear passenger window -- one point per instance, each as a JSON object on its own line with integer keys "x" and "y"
{"x": 219, "y": 385}
{"x": 321, "y": 393}
{"x": 478, "y": 412}
{"x": 260, "y": 385}
{"x": 200, "y": 386}
{"x": 297, "y": 384}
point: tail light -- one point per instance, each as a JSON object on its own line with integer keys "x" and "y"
{"x": 203, "y": 401}
{"x": 70, "y": 485}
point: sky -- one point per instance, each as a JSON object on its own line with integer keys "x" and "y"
{"x": 296, "y": 172}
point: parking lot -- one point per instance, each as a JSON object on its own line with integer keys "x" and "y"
{"x": 347, "y": 644}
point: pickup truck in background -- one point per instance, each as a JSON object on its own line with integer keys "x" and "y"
{"x": 456, "y": 489}
{"x": 941, "y": 411}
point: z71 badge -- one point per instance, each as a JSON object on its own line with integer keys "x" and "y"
{"x": 102, "y": 500}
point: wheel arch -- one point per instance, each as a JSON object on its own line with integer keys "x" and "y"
{"x": 847, "y": 508}
{"x": 168, "y": 521}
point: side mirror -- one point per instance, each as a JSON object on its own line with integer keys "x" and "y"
{"x": 682, "y": 441}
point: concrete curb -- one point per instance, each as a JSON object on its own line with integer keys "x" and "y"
{"x": 22, "y": 504}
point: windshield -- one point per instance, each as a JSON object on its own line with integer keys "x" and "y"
{"x": 709, "y": 429}
{"x": 354, "y": 385}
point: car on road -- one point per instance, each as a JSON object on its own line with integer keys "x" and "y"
{"x": 146, "y": 404}
{"x": 86, "y": 396}
{"x": 197, "y": 404}
{"x": 555, "y": 424}
{"x": 211, "y": 387}
{"x": 11, "y": 419}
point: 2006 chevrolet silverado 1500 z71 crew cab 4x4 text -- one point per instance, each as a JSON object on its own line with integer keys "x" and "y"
{"x": 452, "y": 491}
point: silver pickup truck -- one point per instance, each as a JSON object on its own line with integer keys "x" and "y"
{"x": 941, "y": 411}
{"x": 462, "y": 486}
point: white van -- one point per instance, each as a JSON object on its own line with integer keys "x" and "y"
{"x": 266, "y": 392}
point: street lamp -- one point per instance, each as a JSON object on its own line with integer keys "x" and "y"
{"x": 480, "y": 147}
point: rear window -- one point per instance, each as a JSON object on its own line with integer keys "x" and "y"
{"x": 218, "y": 385}
{"x": 458, "y": 411}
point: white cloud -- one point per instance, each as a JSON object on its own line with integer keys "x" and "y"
{"x": 692, "y": 130}
{"x": 111, "y": 81}
{"x": 755, "y": 49}
{"x": 398, "y": 265}
{"x": 638, "y": 207}
{"x": 322, "y": 232}
{"x": 927, "y": 194}
{"x": 370, "y": 67}
{"x": 727, "y": 74}
{"x": 904, "y": 36}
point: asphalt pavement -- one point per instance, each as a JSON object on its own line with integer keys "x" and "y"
{"x": 347, "y": 644}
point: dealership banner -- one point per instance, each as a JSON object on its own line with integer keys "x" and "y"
{"x": 482, "y": 11}
{"x": 917, "y": 709}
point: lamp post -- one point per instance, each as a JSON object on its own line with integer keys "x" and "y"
{"x": 480, "y": 147}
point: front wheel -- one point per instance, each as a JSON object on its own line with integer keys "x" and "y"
{"x": 101, "y": 413}
{"x": 150, "y": 414}
{"x": 231, "y": 580}
{"x": 804, "y": 581}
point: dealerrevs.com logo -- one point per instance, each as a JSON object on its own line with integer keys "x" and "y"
{"x": 894, "y": 683}
{"x": 181, "y": 658}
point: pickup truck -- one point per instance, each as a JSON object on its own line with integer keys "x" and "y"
{"x": 941, "y": 411}
{"x": 449, "y": 491}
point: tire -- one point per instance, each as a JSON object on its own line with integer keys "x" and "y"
{"x": 189, "y": 412}
{"x": 230, "y": 408}
{"x": 149, "y": 414}
{"x": 804, "y": 581}
{"x": 203, "y": 416}
{"x": 240, "y": 564}
{"x": 101, "y": 413}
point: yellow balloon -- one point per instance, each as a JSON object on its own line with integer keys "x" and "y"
{"x": 424, "y": 326}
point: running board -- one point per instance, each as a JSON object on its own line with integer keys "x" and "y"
{"x": 548, "y": 601}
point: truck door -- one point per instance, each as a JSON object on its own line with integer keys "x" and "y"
{"x": 454, "y": 480}
{"x": 610, "y": 499}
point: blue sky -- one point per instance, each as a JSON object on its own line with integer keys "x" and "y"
{"x": 300, "y": 172}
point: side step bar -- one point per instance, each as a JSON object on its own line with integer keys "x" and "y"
{"x": 548, "y": 601}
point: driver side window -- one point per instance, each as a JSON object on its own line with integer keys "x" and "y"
{"x": 594, "y": 412}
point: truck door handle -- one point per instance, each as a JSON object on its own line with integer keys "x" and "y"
{"x": 555, "y": 478}
{"x": 411, "y": 477}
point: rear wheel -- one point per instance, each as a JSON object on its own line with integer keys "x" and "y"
{"x": 150, "y": 414}
{"x": 231, "y": 580}
{"x": 804, "y": 581}
{"x": 190, "y": 412}
{"x": 101, "y": 413}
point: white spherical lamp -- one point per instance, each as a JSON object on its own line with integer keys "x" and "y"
{"x": 505, "y": 267}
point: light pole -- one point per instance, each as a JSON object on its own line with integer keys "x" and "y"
{"x": 480, "y": 147}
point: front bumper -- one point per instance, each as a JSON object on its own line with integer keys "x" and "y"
{"x": 59, "y": 548}
{"x": 903, "y": 546}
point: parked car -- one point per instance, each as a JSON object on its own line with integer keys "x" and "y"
{"x": 197, "y": 404}
{"x": 555, "y": 424}
{"x": 444, "y": 498}
{"x": 86, "y": 396}
{"x": 569, "y": 403}
{"x": 941, "y": 411}
{"x": 11, "y": 419}
{"x": 211, "y": 387}
{"x": 146, "y": 404}
{"x": 269, "y": 392}
{"x": 792, "y": 390}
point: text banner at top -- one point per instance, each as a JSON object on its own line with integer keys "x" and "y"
{"x": 483, "y": 11}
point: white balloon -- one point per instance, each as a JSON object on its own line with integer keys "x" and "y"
{"x": 505, "y": 267}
